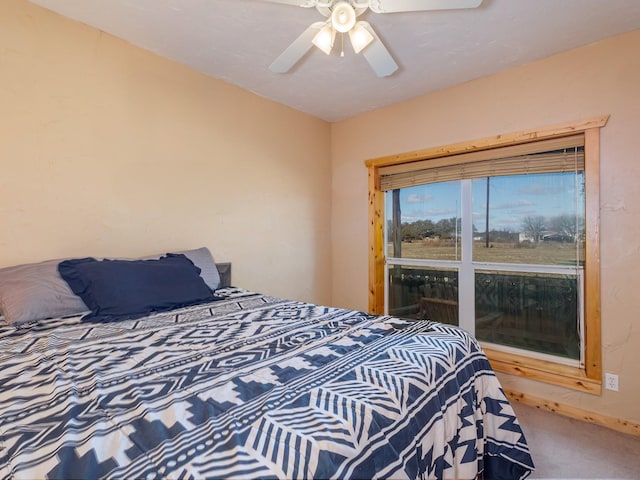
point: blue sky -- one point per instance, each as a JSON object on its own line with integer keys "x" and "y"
{"x": 510, "y": 198}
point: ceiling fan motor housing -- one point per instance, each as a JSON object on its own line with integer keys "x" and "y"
{"x": 343, "y": 17}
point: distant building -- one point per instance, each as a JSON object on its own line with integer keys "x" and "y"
{"x": 546, "y": 236}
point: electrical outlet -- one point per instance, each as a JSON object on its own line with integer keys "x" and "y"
{"x": 611, "y": 381}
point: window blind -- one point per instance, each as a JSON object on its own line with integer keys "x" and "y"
{"x": 562, "y": 154}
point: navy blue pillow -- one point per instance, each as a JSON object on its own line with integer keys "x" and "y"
{"x": 128, "y": 289}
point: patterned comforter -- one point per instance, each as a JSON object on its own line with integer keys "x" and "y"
{"x": 253, "y": 387}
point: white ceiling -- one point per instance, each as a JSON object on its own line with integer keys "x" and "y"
{"x": 236, "y": 40}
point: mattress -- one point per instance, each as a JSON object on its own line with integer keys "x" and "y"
{"x": 253, "y": 386}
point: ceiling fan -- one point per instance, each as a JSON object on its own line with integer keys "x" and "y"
{"x": 342, "y": 17}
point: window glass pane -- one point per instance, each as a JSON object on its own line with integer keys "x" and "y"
{"x": 424, "y": 222}
{"x": 424, "y": 293}
{"x": 537, "y": 312}
{"x": 532, "y": 219}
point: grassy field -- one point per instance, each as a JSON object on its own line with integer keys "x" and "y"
{"x": 547, "y": 253}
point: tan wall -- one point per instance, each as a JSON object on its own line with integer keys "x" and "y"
{"x": 603, "y": 78}
{"x": 107, "y": 149}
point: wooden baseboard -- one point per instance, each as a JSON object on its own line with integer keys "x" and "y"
{"x": 617, "y": 424}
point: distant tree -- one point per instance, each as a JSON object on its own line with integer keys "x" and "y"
{"x": 417, "y": 230}
{"x": 533, "y": 227}
{"x": 446, "y": 228}
{"x": 565, "y": 226}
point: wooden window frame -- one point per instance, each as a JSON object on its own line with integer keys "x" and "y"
{"x": 587, "y": 379}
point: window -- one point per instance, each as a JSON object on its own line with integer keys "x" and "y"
{"x": 498, "y": 236}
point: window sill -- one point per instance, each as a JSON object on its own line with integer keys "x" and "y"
{"x": 544, "y": 371}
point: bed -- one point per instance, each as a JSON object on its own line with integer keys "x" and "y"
{"x": 251, "y": 386}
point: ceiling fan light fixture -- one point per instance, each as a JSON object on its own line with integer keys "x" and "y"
{"x": 343, "y": 17}
{"x": 324, "y": 39}
{"x": 360, "y": 37}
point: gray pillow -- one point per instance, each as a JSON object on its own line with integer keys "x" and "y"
{"x": 203, "y": 259}
{"x": 36, "y": 291}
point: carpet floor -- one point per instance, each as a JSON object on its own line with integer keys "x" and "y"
{"x": 564, "y": 448}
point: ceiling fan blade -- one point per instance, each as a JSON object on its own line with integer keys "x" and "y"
{"x": 296, "y": 50}
{"x": 378, "y": 56}
{"x": 295, "y": 3}
{"x": 324, "y": 10}
{"x": 392, "y": 6}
